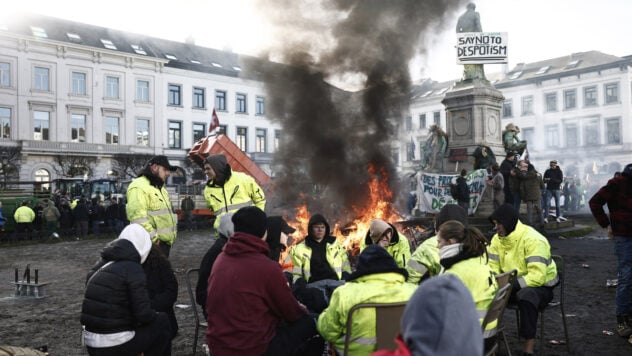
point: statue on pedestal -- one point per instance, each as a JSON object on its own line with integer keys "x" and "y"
{"x": 511, "y": 141}
{"x": 470, "y": 21}
{"x": 484, "y": 157}
{"x": 434, "y": 149}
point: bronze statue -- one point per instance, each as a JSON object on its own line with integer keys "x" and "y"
{"x": 511, "y": 141}
{"x": 484, "y": 157}
{"x": 470, "y": 21}
{"x": 434, "y": 149}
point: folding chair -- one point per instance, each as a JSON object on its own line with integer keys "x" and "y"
{"x": 504, "y": 278}
{"x": 197, "y": 313}
{"x": 387, "y": 321}
{"x": 495, "y": 313}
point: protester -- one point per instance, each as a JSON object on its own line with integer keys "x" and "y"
{"x": 162, "y": 286}
{"x": 97, "y": 216}
{"x": 187, "y": 207}
{"x": 553, "y": 178}
{"x": 225, "y": 231}
{"x": 617, "y": 193}
{"x": 530, "y": 191}
{"x": 521, "y": 247}
{"x": 464, "y": 192}
{"x": 112, "y": 217}
{"x": 440, "y": 319}
{"x": 463, "y": 253}
{"x": 377, "y": 279}
{"x": 424, "y": 262}
{"x": 385, "y": 235}
{"x": 497, "y": 183}
{"x": 278, "y": 234}
{"x": 81, "y": 216}
{"x": 148, "y": 203}
{"x": 505, "y": 169}
{"x": 224, "y": 183}
{"x": 116, "y": 312}
{"x": 258, "y": 313}
{"x": 23, "y": 217}
{"x": 51, "y": 217}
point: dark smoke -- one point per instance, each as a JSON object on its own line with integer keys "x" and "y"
{"x": 331, "y": 136}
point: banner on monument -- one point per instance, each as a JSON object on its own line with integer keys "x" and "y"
{"x": 433, "y": 190}
{"x": 481, "y": 47}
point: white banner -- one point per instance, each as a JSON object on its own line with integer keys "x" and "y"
{"x": 481, "y": 47}
{"x": 433, "y": 190}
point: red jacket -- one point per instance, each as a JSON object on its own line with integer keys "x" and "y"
{"x": 247, "y": 297}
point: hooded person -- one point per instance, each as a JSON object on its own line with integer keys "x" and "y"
{"x": 227, "y": 190}
{"x": 429, "y": 327}
{"x": 521, "y": 247}
{"x": 258, "y": 313}
{"x": 385, "y": 235}
{"x": 116, "y": 312}
{"x": 424, "y": 262}
{"x": 278, "y": 235}
{"x": 377, "y": 279}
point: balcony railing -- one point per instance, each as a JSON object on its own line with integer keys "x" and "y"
{"x": 81, "y": 148}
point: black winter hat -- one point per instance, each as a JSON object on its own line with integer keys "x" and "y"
{"x": 375, "y": 259}
{"x": 506, "y": 216}
{"x": 627, "y": 171}
{"x": 250, "y": 220}
{"x": 451, "y": 212}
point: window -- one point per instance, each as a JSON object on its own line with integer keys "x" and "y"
{"x": 41, "y": 78}
{"x": 78, "y": 83}
{"x": 142, "y": 91}
{"x": 437, "y": 117}
{"x": 5, "y": 74}
{"x": 277, "y": 140}
{"x": 38, "y": 32}
{"x": 240, "y": 103}
{"x": 171, "y": 56}
{"x": 408, "y": 123}
{"x": 422, "y": 121}
{"x": 551, "y": 101}
{"x": 199, "y": 98}
{"x": 515, "y": 75}
{"x": 108, "y": 44}
{"x": 570, "y": 99}
{"x": 242, "y": 138}
{"x": 394, "y": 155}
{"x": 572, "y": 64}
{"x": 611, "y": 92}
{"x": 590, "y": 96}
{"x": 528, "y": 134}
{"x": 260, "y": 106}
{"x": 112, "y": 87}
{"x": 572, "y": 135}
{"x": 410, "y": 151}
{"x": 111, "y": 129}
{"x": 552, "y": 136}
{"x": 41, "y": 122}
{"x": 175, "y": 95}
{"x": 138, "y": 49}
{"x": 199, "y": 131}
{"x": 175, "y": 134}
{"x": 5, "y": 121}
{"x": 507, "y": 112}
{"x": 73, "y": 37}
{"x": 78, "y": 128}
{"x": 591, "y": 133}
{"x": 220, "y": 100}
{"x": 261, "y": 142}
{"x": 527, "y": 105}
{"x": 222, "y": 130}
{"x": 43, "y": 176}
{"x": 142, "y": 132}
{"x": 543, "y": 70}
{"x": 613, "y": 131}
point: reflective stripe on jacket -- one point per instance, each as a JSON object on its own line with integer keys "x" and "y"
{"x": 373, "y": 288}
{"x": 24, "y": 214}
{"x": 240, "y": 190}
{"x": 525, "y": 250}
{"x": 301, "y": 255}
{"x": 424, "y": 259}
{"x": 151, "y": 208}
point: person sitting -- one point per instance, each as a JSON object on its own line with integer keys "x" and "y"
{"x": 521, "y": 247}
{"x": 424, "y": 262}
{"x": 116, "y": 312}
{"x": 440, "y": 319}
{"x": 258, "y": 313}
{"x": 463, "y": 253}
{"x": 377, "y": 279}
{"x": 320, "y": 261}
{"x": 385, "y": 235}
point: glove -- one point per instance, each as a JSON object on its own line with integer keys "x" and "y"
{"x": 515, "y": 286}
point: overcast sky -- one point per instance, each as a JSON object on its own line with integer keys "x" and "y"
{"x": 537, "y": 29}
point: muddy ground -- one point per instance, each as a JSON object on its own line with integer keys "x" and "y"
{"x": 54, "y": 320}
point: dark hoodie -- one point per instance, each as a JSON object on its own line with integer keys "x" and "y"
{"x": 319, "y": 267}
{"x": 222, "y": 170}
{"x": 273, "y": 239}
{"x": 506, "y": 216}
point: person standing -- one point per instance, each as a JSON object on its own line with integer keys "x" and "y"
{"x": 464, "y": 192}
{"x": 505, "y": 169}
{"x": 81, "y": 216}
{"x": 530, "y": 190}
{"x": 187, "y": 207}
{"x": 148, "y": 203}
{"x": 23, "y": 217}
{"x": 227, "y": 190}
{"x": 521, "y": 247}
{"x": 617, "y": 193}
{"x": 51, "y": 217}
{"x": 553, "y": 178}
{"x": 497, "y": 183}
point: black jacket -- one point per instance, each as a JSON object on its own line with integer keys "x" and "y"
{"x": 162, "y": 285}
{"x": 116, "y": 298}
{"x": 205, "y": 270}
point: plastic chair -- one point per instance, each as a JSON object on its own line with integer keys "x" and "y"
{"x": 387, "y": 319}
{"x": 197, "y": 313}
{"x": 495, "y": 313}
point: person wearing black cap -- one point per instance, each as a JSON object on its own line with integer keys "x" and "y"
{"x": 617, "y": 193}
{"x": 278, "y": 234}
{"x": 251, "y": 309}
{"x": 148, "y": 203}
{"x": 377, "y": 279}
{"x": 227, "y": 190}
{"x": 553, "y": 178}
{"x": 424, "y": 262}
{"x": 521, "y": 247}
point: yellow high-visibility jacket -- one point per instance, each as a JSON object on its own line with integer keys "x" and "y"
{"x": 239, "y": 191}
{"x": 24, "y": 214}
{"x": 151, "y": 208}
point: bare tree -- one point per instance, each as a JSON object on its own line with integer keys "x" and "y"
{"x": 128, "y": 166}
{"x": 72, "y": 166}
{"x": 10, "y": 159}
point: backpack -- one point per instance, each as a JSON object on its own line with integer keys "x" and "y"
{"x": 454, "y": 191}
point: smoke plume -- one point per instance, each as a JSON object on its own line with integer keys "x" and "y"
{"x": 332, "y": 136}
